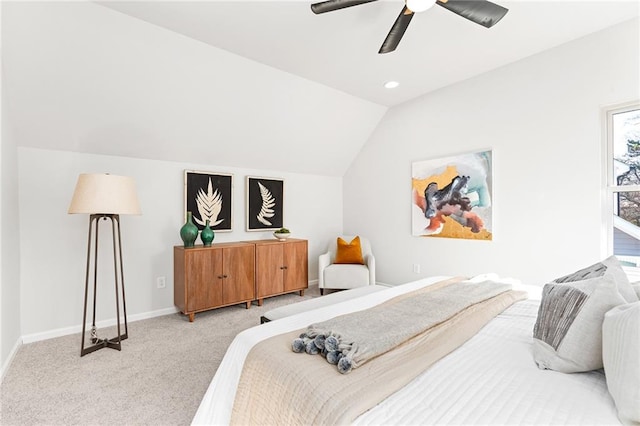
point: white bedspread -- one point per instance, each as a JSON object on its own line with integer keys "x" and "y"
{"x": 491, "y": 379}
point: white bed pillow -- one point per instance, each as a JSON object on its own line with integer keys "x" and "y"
{"x": 636, "y": 288}
{"x": 567, "y": 336}
{"x": 610, "y": 266}
{"x": 621, "y": 357}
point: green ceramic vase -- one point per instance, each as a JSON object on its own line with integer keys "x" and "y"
{"x": 189, "y": 231}
{"x": 207, "y": 235}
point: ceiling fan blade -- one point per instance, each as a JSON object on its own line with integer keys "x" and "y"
{"x": 397, "y": 31}
{"x": 331, "y": 5}
{"x": 481, "y": 12}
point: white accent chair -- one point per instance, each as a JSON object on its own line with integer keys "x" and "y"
{"x": 345, "y": 276}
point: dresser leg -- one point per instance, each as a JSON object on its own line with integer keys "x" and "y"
{"x": 192, "y": 316}
{"x": 301, "y": 292}
{"x": 248, "y": 304}
{"x": 260, "y": 302}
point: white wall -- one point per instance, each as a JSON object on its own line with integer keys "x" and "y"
{"x": 10, "y": 246}
{"x": 98, "y": 81}
{"x": 151, "y": 103}
{"x": 53, "y": 243}
{"x": 541, "y": 117}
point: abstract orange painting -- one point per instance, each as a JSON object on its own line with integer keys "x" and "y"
{"x": 451, "y": 197}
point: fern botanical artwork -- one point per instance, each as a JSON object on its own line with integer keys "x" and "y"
{"x": 208, "y": 197}
{"x": 265, "y": 201}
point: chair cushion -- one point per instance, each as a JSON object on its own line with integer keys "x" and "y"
{"x": 349, "y": 252}
{"x": 346, "y": 276}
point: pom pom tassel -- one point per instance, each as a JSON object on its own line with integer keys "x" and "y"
{"x": 333, "y": 357}
{"x": 331, "y": 343}
{"x": 344, "y": 365}
{"x": 311, "y": 348}
{"x": 319, "y": 341}
{"x": 298, "y": 345}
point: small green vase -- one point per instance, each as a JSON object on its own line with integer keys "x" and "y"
{"x": 207, "y": 235}
{"x": 189, "y": 231}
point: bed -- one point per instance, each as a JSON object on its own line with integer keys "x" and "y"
{"x": 490, "y": 379}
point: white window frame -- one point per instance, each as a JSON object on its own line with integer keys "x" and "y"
{"x": 611, "y": 187}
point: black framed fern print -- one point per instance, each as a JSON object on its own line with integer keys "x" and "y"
{"x": 265, "y": 203}
{"x": 208, "y": 196}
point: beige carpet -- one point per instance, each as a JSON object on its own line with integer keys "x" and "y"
{"x": 158, "y": 378}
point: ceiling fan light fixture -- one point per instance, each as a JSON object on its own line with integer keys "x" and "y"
{"x": 481, "y": 12}
{"x": 418, "y": 6}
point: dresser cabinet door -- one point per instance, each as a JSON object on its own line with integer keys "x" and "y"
{"x": 239, "y": 274}
{"x": 296, "y": 266}
{"x": 269, "y": 267}
{"x": 204, "y": 279}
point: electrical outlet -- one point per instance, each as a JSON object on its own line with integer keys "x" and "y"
{"x": 161, "y": 282}
{"x": 416, "y": 268}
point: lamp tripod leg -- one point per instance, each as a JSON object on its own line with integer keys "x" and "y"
{"x": 94, "y": 330}
{"x": 115, "y": 342}
{"x": 124, "y": 302}
{"x": 94, "y": 334}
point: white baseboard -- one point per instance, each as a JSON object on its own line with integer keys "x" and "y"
{"x": 59, "y": 332}
{"x": 36, "y": 337}
{"x": 9, "y": 360}
{"x": 152, "y": 314}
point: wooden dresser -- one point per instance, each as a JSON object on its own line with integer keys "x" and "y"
{"x": 226, "y": 274}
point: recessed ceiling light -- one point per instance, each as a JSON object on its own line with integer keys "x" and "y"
{"x": 391, "y": 84}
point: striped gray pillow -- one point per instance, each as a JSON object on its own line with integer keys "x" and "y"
{"x": 567, "y": 336}
{"x": 609, "y": 266}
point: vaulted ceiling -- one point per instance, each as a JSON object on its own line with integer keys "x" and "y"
{"x": 339, "y": 49}
{"x": 250, "y": 84}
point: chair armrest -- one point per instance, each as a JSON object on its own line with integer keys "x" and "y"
{"x": 370, "y": 261}
{"x": 324, "y": 260}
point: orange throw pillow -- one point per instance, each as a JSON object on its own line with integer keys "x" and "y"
{"x": 349, "y": 252}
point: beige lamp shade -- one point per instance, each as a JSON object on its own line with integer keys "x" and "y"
{"x": 104, "y": 193}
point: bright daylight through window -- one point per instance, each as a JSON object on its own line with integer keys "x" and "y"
{"x": 623, "y": 125}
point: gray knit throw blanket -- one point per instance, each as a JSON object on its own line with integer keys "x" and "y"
{"x": 351, "y": 340}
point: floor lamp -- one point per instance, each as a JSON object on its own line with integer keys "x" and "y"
{"x": 104, "y": 196}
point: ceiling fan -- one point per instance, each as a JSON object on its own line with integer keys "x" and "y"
{"x": 481, "y": 12}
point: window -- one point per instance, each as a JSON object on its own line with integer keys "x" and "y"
{"x": 623, "y": 182}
